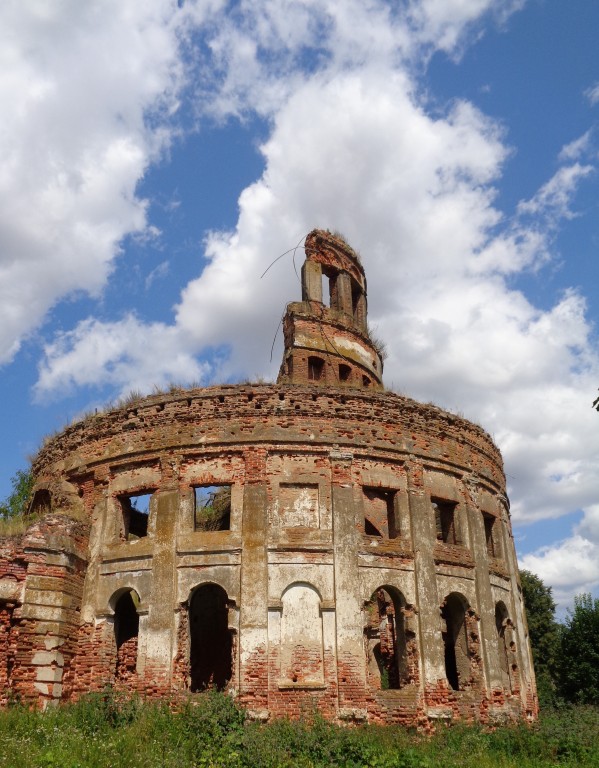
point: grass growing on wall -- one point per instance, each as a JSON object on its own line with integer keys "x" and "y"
{"x": 111, "y": 731}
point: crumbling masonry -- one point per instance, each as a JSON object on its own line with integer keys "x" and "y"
{"x": 318, "y": 542}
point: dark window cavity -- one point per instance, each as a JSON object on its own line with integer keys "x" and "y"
{"x": 445, "y": 521}
{"x": 41, "y": 503}
{"x": 315, "y": 368}
{"x": 126, "y": 631}
{"x": 379, "y": 512}
{"x": 136, "y": 512}
{"x": 490, "y": 542}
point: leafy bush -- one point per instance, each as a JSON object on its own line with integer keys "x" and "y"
{"x": 15, "y": 505}
{"x": 108, "y": 709}
{"x": 578, "y": 665}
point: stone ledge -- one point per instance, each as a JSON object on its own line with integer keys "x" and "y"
{"x": 355, "y": 714}
{"x": 289, "y": 685}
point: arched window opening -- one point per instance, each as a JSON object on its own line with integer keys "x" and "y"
{"x": 41, "y": 503}
{"x": 455, "y": 641}
{"x": 502, "y": 624}
{"x": 126, "y": 632}
{"x": 386, "y": 639}
{"x": 366, "y": 381}
{"x": 211, "y": 643}
{"x": 344, "y": 372}
{"x": 315, "y": 368}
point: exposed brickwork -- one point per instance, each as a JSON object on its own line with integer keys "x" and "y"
{"x": 333, "y": 485}
{"x": 126, "y": 663}
{"x": 8, "y": 649}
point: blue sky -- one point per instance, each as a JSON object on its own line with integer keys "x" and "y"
{"x": 157, "y": 156}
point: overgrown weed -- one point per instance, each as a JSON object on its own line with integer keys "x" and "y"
{"x": 113, "y": 729}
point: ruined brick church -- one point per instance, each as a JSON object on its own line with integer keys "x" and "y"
{"x": 317, "y": 542}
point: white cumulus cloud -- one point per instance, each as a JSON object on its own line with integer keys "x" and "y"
{"x": 553, "y": 199}
{"x": 355, "y": 145}
{"x": 86, "y": 92}
{"x": 128, "y": 354}
{"x": 574, "y": 149}
{"x": 592, "y": 94}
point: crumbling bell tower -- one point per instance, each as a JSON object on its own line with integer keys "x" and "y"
{"x": 326, "y": 334}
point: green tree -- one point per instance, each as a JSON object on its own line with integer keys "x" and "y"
{"x": 578, "y": 667}
{"x": 17, "y": 502}
{"x": 544, "y": 633}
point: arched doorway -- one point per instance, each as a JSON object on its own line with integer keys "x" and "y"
{"x": 126, "y": 632}
{"x": 211, "y": 645}
{"x": 455, "y": 640}
{"x": 502, "y": 624}
{"x": 386, "y": 639}
{"x": 7, "y": 648}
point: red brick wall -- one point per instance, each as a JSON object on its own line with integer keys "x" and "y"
{"x": 174, "y": 432}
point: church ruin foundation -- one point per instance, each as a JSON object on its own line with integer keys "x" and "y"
{"x": 317, "y": 542}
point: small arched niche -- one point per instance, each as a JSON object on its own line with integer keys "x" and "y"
{"x": 301, "y": 650}
{"x": 41, "y": 504}
{"x": 503, "y": 626}
{"x": 211, "y": 642}
{"x": 455, "y": 640}
{"x": 126, "y": 632}
{"x": 345, "y": 372}
{"x": 316, "y": 369}
{"x": 386, "y": 639}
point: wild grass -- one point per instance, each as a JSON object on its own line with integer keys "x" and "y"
{"x": 15, "y": 526}
{"x": 379, "y": 345}
{"x": 210, "y": 730}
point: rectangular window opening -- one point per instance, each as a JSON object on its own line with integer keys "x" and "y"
{"x": 379, "y": 513}
{"x": 445, "y": 521}
{"x": 136, "y": 512}
{"x": 315, "y": 368}
{"x": 489, "y": 522}
{"x": 212, "y": 508}
{"x": 356, "y": 293}
{"x": 326, "y": 290}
